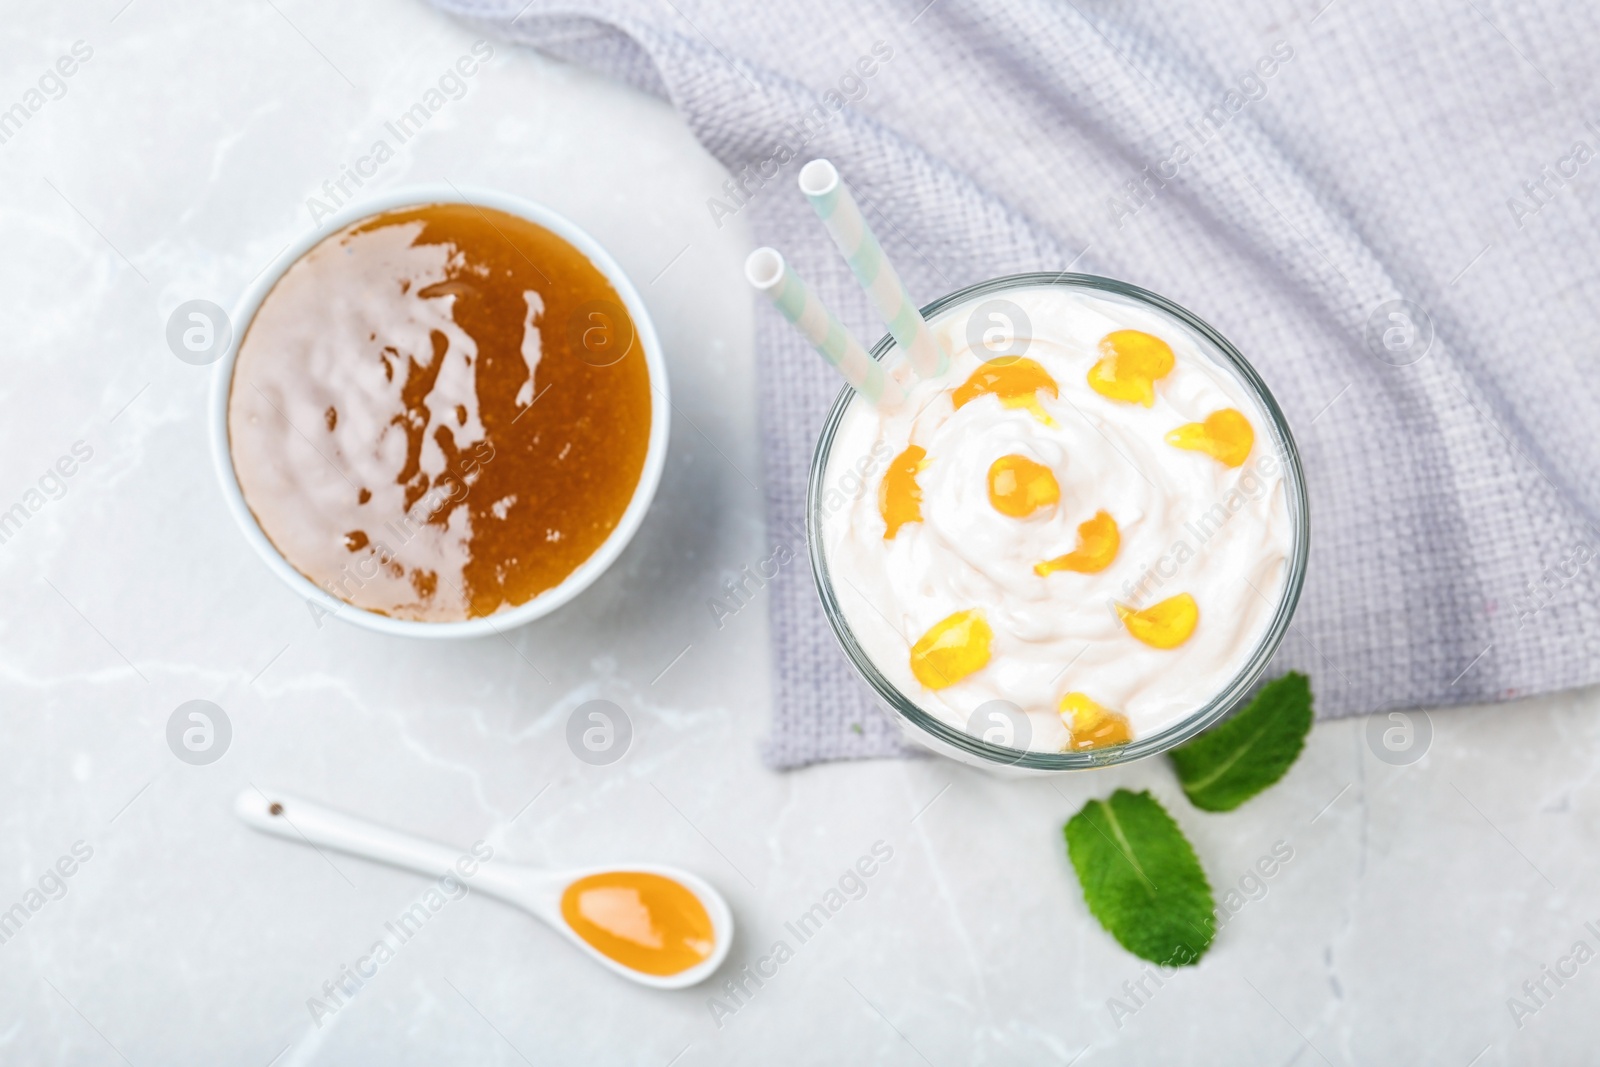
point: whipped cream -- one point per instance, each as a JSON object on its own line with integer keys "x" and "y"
{"x": 1187, "y": 522}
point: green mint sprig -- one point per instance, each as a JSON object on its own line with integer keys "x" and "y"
{"x": 1140, "y": 876}
{"x": 1230, "y": 763}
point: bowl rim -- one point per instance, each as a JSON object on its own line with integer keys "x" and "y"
{"x": 941, "y": 735}
{"x": 645, "y": 335}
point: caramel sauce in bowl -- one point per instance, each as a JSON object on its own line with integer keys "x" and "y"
{"x": 444, "y": 413}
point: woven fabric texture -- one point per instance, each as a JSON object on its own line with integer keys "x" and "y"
{"x": 1285, "y": 172}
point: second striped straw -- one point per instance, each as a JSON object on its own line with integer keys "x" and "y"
{"x": 819, "y": 180}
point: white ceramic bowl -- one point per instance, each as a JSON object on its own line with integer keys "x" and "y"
{"x": 586, "y": 572}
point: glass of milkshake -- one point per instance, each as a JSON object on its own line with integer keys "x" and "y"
{"x": 1079, "y": 545}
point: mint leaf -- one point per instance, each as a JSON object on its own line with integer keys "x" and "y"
{"x": 1229, "y": 764}
{"x": 1141, "y": 879}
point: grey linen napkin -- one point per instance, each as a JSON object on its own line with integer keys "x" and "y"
{"x": 1287, "y": 171}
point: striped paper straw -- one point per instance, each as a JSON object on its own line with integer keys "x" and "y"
{"x": 768, "y": 272}
{"x": 849, "y": 230}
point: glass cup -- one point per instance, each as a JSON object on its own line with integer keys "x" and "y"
{"x": 930, "y": 731}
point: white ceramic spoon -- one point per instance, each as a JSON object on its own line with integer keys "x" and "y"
{"x": 536, "y": 891}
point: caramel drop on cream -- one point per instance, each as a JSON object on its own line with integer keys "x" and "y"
{"x": 1225, "y": 436}
{"x": 953, "y": 648}
{"x": 647, "y": 923}
{"x": 1018, "y": 486}
{"x": 1164, "y": 625}
{"x": 900, "y": 497}
{"x": 1091, "y": 725}
{"x": 1015, "y": 381}
{"x": 1098, "y": 541}
{"x": 1131, "y": 362}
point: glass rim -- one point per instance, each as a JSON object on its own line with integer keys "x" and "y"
{"x": 1226, "y": 699}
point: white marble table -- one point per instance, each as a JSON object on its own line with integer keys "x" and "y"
{"x": 174, "y": 166}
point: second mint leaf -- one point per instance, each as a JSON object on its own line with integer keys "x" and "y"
{"x": 1229, "y": 764}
